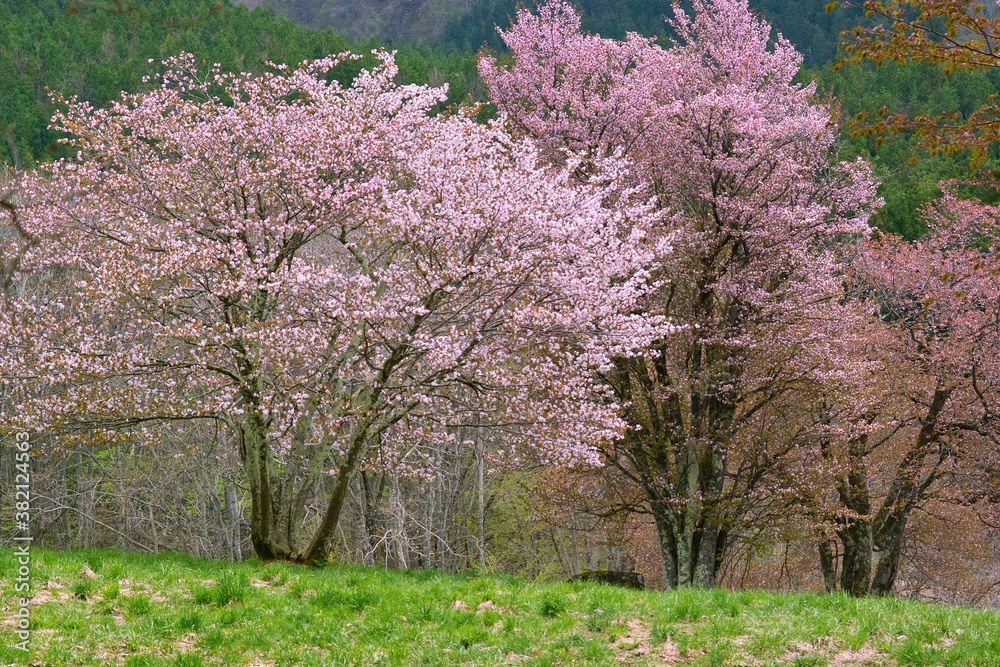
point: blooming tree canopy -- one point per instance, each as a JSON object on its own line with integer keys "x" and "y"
{"x": 937, "y": 301}
{"x": 737, "y": 158}
{"x": 322, "y": 270}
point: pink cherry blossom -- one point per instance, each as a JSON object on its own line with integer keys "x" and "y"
{"x": 325, "y": 272}
{"x": 737, "y": 157}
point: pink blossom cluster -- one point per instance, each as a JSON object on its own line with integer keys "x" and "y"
{"x": 734, "y": 154}
{"x": 319, "y": 261}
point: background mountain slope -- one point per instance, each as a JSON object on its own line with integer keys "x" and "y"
{"x": 470, "y": 23}
{"x": 96, "y": 51}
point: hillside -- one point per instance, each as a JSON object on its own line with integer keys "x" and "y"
{"x": 470, "y": 23}
{"x": 97, "y": 51}
{"x": 113, "y": 608}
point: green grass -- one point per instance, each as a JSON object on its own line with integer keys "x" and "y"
{"x": 172, "y": 610}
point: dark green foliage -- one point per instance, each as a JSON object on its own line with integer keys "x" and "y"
{"x": 909, "y": 178}
{"x": 608, "y": 18}
{"x": 470, "y": 24}
{"x": 806, "y": 24}
{"x": 95, "y": 54}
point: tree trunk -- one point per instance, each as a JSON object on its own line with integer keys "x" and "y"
{"x": 691, "y": 554}
{"x": 698, "y": 529}
{"x": 259, "y": 466}
{"x": 427, "y": 522}
{"x": 855, "y": 577}
{"x": 402, "y": 539}
{"x": 681, "y": 424}
{"x": 828, "y": 563}
{"x": 156, "y": 537}
{"x": 890, "y": 545}
{"x": 872, "y": 542}
{"x": 372, "y": 513}
{"x": 233, "y": 519}
{"x": 668, "y": 545}
{"x": 304, "y": 465}
{"x": 349, "y": 466}
{"x": 481, "y": 532}
{"x": 224, "y": 523}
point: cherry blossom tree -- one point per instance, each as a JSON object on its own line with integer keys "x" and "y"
{"x": 916, "y": 428}
{"x": 933, "y": 435}
{"x": 738, "y": 158}
{"x": 937, "y": 303}
{"x": 332, "y": 274}
{"x": 14, "y": 239}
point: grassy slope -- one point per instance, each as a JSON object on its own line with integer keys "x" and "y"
{"x": 107, "y": 607}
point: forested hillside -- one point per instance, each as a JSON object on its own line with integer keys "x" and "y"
{"x": 471, "y": 23}
{"x": 910, "y": 178}
{"x": 95, "y": 51}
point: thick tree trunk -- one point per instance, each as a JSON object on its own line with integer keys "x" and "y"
{"x": 259, "y": 466}
{"x": 712, "y": 535}
{"x": 304, "y": 465}
{"x": 872, "y": 541}
{"x": 906, "y": 490}
{"x": 890, "y": 544}
{"x": 667, "y": 533}
{"x": 855, "y": 576}
{"x": 691, "y": 554}
{"x": 676, "y": 450}
{"x": 698, "y": 529}
{"x": 278, "y": 502}
{"x": 349, "y": 466}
